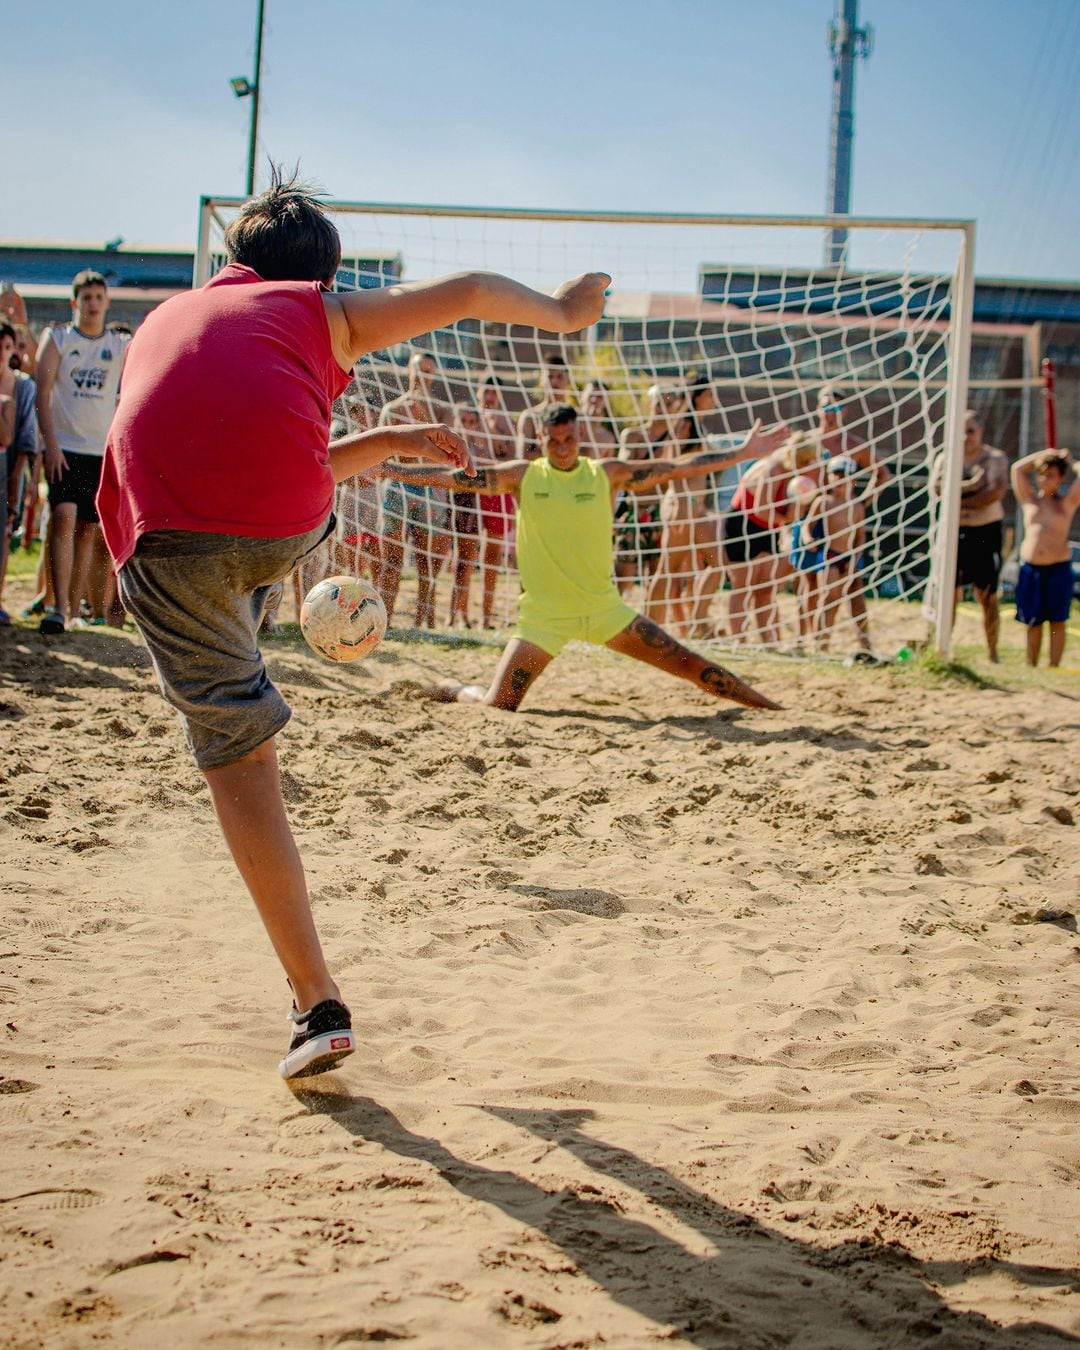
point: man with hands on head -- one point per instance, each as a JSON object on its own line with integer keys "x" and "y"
{"x": 564, "y": 514}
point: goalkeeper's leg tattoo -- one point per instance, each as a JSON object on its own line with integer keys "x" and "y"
{"x": 648, "y": 642}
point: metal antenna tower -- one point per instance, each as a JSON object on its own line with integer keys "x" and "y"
{"x": 847, "y": 42}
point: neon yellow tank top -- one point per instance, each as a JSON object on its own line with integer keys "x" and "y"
{"x": 564, "y": 541}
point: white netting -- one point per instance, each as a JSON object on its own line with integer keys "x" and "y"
{"x": 760, "y": 334}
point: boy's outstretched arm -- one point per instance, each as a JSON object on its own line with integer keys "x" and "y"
{"x": 364, "y": 321}
{"x": 360, "y": 452}
{"x": 640, "y": 475}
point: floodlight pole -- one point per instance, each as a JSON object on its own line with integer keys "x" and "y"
{"x": 256, "y": 92}
{"x": 847, "y": 42}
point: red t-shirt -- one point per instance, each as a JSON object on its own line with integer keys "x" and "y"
{"x": 224, "y": 415}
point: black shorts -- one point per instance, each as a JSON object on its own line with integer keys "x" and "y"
{"x": 978, "y": 556}
{"x": 79, "y": 485}
{"x": 745, "y": 539}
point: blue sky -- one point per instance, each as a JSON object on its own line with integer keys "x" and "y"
{"x": 965, "y": 108}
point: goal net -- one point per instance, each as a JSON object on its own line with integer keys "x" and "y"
{"x": 837, "y": 543}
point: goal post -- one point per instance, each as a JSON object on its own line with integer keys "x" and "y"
{"x": 741, "y": 304}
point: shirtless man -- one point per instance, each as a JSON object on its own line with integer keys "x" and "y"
{"x": 596, "y": 437}
{"x": 565, "y": 556}
{"x": 637, "y": 515}
{"x": 555, "y": 391}
{"x": 418, "y": 513}
{"x": 1045, "y": 584}
{"x": 978, "y": 554}
{"x": 835, "y": 524}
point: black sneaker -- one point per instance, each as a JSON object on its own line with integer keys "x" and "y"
{"x": 322, "y": 1037}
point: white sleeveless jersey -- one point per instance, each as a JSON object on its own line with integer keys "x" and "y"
{"x": 86, "y": 387}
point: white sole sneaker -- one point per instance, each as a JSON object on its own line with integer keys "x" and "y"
{"x": 322, "y": 1038}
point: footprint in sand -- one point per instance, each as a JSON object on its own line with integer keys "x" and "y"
{"x": 53, "y": 1197}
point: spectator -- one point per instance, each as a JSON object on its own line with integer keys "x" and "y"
{"x": 835, "y": 439}
{"x": 465, "y": 522}
{"x": 78, "y": 378}
{"x": 1045, "y": 584}
{"x": 637, "y": 515}
{"x": 358, "y": 549}
{"x": 689, "y": 570}
{"x": 597, "y": 435}
{"x": 555, "y": 389}
{"x": 496, "y": 509}
{"x": 978, "y": 551}
{"x": 18, "y": 442}
{"x": 834, "y": 536}
{"x": 751, "y": 537}
{"x": 418, "y": 516}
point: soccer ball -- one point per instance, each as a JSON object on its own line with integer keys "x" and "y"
{"x": 802, "y": 489}
{"x": 343, "y": 618}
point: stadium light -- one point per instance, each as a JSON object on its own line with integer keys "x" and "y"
{"x": 242, "y": 87}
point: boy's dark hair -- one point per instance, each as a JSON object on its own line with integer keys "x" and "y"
{"x": 1052, "y": 459}
{"x": 554, "y": 359}
{"x": 6, "y": 330}
{"x": 87, "y": 277}
{"x": 560, "y": 413}
{"x": 284, "y": 234}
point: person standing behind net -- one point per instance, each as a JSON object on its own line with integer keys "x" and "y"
{"x": 1045, "y": 585}
{"x": 496, "y": 509}
{"x": 78, "y": 377}
{"x": 751, "y": 535}
{"x": 833, "y": 539}
{"x": 978, "y": 549}
{"x": 638, "y": 530}
{"x": 465, "y": 521}
{"x": 555, "y": 390}
{"x": 689, "y": 570}
{"x": 416, "y": 515}
{"x": 834, "y": 439}
{"x": 218, "y": 479}
{"x": 597, "y": 435}
{"x": 565, "y": 555}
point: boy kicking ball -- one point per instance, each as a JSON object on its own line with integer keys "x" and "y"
{"x": 1045, "y": 584}
{"x": 565, "y": 557}
{"x": 217, "y": 481}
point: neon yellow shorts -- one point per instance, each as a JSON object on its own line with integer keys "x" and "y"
{"x": 551, "y": 635}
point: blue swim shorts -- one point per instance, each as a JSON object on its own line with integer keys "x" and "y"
{"x": 1044, "y": 593}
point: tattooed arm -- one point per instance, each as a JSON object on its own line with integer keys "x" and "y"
{"x": 494, "y": 478}
{"x": 641, "y": 475}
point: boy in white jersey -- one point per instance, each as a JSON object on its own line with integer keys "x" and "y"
{"x": 78, "y": 379}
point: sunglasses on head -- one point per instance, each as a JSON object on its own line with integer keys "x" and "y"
{"x": 833, "y": 407}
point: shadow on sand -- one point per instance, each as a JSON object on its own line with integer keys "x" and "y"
{"x": 755, "y": 1288}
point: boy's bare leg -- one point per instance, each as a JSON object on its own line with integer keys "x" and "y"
{"x": 247, "y": 799}
{"x": 1034, "y": 643}
{"x": 857, "y": 601}
{"x": 739, "y": 576}
{"x": 518, "y": 668}
{"x": 1057, "y": 643}
{"x": 646, "y": 641}
{"x": 991, "y": 614}
{"x": 61, "y": 547}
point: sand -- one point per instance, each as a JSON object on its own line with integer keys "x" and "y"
{"x": 677, "y": 1024}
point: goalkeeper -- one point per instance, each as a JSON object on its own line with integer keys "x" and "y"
{"x": 565, "y": 558}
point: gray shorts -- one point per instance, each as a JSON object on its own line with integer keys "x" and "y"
{"x": 198, "y": 600}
